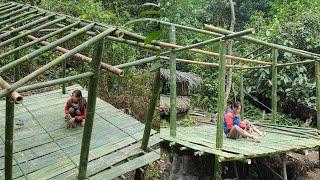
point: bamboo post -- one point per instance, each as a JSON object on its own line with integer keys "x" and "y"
{"x": 274, "y": 85}
{"x": 317, "y": 74}
{"x": 64, "y": 66}
{"x": 284, "y": 166}
{"x": 241, "y": 95}
{"x": 222, "y": 78}
{"x": 17, "y": 56}
{"x": 173, "y": 84}
{"x": 93, "y": 86}
{"x": 152, "y": 106}
{"x": 9, "y": 137}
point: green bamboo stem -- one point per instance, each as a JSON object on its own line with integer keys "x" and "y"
{"x": 10, "y": 9}
{"x": 17, "y": 17}
{"x": 252, "y": 52}
{"x": 93, "y": 86}
{"x": 274, "y": 85}
{"x": 64, "y": 67}
{"x": 317, "y": 74}
{"x": 9, "y": 137}
{"x": 152, "y": 106}
{"x": 20, "y": 21}
{"x": 217, "y": 168}
{"x": 38, "y": 40}
{"x": 17, "y": 56}
{"x": 284, "y": 166}
{"x": 26, "y": 33}
{"x": 254, "y": 67}
{"x": 222, "y": 79}
{"x": 5, "y": 5}
{"x": 173, "y": 84}
{"x": 241, "y": 95}
{"x": 54, "y": 82}
{"x": 58, "y": 60}
{"x": 26, "y": 26}
{"x": 295, "y": 63}
{"x": 44, "y": 49}
{"x": 137, "y": 62}
{"x": 298, "y": 52}
{"x": 13, "y": 13}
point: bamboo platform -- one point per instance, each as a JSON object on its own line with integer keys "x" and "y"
{"x": 276, "y": 141}
{"x": 45, "y": 149}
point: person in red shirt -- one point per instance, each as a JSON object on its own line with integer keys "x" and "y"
{"x": 75, "y": 109}
{"x": 234, "y": 128}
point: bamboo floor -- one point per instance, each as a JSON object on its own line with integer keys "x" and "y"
{"x": 45, "y": 149}
{"x": 202, "y": 139}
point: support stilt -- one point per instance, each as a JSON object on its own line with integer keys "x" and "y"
{"x": 9, "y": 137}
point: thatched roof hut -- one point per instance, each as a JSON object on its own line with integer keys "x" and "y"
{"x": 185, "y": 82}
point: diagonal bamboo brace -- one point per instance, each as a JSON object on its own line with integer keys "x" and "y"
{"x": 84, "y": 58}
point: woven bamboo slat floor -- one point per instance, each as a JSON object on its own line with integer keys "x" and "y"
{"x": 45, "y": 149}
{"x": 202, "y": 138}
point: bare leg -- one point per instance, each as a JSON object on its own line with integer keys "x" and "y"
{"x": 236, "y": 131}
{"x": 249, "y": 123}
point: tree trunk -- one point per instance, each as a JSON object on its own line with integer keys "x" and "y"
{"x": 229, "y": 51}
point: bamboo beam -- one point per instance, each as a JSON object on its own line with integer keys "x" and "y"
{"x": 137, "y": 62}
{"x": 33, "y": 23}
{"x": 14, "y": 95}
{"x": 14, "y": 12}
{"x": 222, "y": 78}
{"x": 37, "y": 40}
{"x": 298, "y": 52}
{"x": 84, "y": 58}
{"x": 58, "y": 60}
{"x": 20, "y": 21}
{"x": 9, "y": 138}
{"x": 5, "y": 5}
{"x": 44, "y": 49}
{"x": 296, "y": 63}
{"x": 173, "y": 84}
{"x": 255, "y": 67}
{"x": 10, "y": 9}
{"x": 241, "y": 95}
{"x": 274, "y": 85}
{"x": 317, "y": 75}
{"x": 199, "y": 62}
{"x": 17, "y": 17}
{"x": 23, "y": 34}
{"x": 54, "y": 82}
{"x": 93, "y": 86}
{"x": 152, "y": 106}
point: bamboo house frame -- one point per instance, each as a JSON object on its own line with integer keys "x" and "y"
{"x": 35, "y": 19}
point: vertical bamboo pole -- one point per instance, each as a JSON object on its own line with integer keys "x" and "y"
{"x": 64, "y": 66}
{"x": 222, "y": 78}
{"x": 284, "y": 166}
{"x": 9, "y": 137}
{"x": 317, "y": 74}
{"x": 173, "y": 84}
{"x": 16, "y": 56}
{"x": 152, "y": 106}
{"x": 274, "y": 85}
{"x": 241, "y": 95}
{"x": 92, "y": 92}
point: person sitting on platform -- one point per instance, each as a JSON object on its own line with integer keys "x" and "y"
{"x": 234, "y": 128}
{"x": 75, "y": 109}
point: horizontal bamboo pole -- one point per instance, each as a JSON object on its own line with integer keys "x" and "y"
{"x": 31, "y": 24}
{"x": 44, "y": 49}
{"x": 14, "y": 12}
{"x": 20, "y": 21}
{"x": 84, "y": 58}
{"x": 54, "y": 82}
{"x": 200, "y": 63}
{"x": 255, "y": 67}
{"x": 10, "y": 9}
{"x": 5, "y": 5}
{"x": 298, "y": 52}
{"x": 23, "y": 34}
{"x": 55, "y": 62}
{"x": 296, "y": 63}
{"x": 137, "y": 62}
{"x": 7, "y": 53}
{"x": 17, "y": 17}
{"x": 14, "y": 95}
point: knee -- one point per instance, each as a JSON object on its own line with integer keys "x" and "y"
{"x": 71, "y": 110}
{"x": 236, "y": 127}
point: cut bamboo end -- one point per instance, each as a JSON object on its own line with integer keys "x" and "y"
{"x": 119, "y": 33}
{"x": 16, "y": 97}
